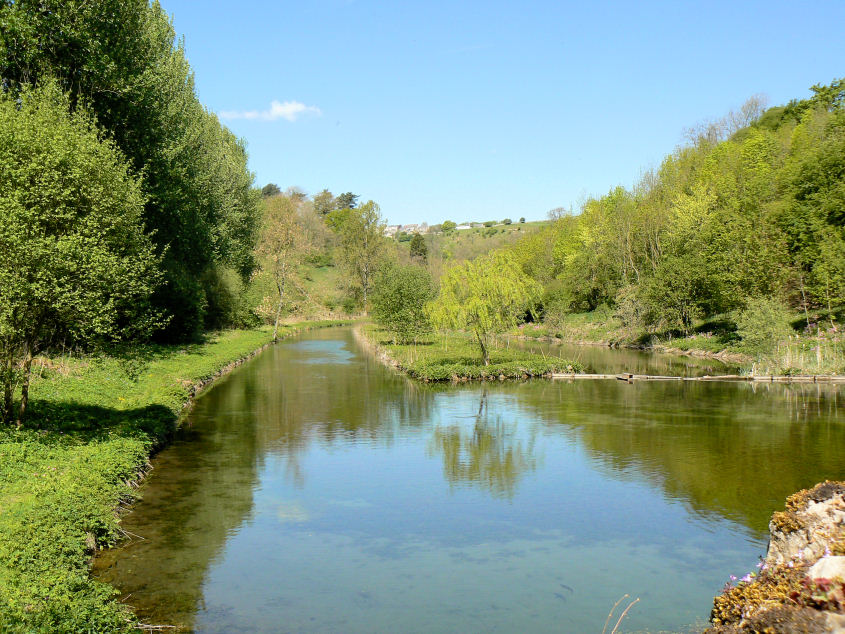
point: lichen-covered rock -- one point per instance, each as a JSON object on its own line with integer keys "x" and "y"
{"x": 814, "y": 519}
{"x": 795, "y": 591}
{"x": 832, "y": 567}
{"x": 782, "y": 619}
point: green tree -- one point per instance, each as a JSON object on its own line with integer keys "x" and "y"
{"x": 418, "y": 247}
{"x": 75, "y": 262}
{"x": 399, "y": 298}
{"x": 485, "y": 295}
{"x": 362, "y": 246}
{"x": 270, "y": 189}
{"x": 763, "y": 324}
{"x": 448, "y": 226}
{"x": 347, "y": 200}
{"x": 283, "y": 244}
{"x": 324, "y": 202}
{"x": 120, "y": 59}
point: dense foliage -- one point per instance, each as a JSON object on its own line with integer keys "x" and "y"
{"x": 752, "y": 208}
{"x": 76, "y": 263}
{"x": 401, "y": 292}
{"x": 119, "y": 60}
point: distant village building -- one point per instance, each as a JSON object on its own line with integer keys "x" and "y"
{"x": 462, "y": 227}
{"x": 391, "y": 231}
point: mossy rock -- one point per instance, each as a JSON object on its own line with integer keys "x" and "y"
{"x": 787, "y": 521}
{"x": 770, "y": 589}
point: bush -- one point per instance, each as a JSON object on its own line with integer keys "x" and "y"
{"x": 763, "y": 325}
{"x": 400, "y": 294}
{"x": 226, "y": 300}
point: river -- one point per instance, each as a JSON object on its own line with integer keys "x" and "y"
{"x": 315, "y": 490}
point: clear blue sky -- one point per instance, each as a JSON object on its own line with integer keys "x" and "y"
{"x": 486, "y": 110}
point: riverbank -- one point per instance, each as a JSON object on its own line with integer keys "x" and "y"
{"x": 65, "y": 477}
{"x": 821, "y": 352}
{"x": 800, "y": 585}
{"x": 456, "y": 357}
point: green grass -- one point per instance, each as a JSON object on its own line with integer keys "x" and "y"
{"x": 93, "y": 423}
{"x": 599, "y": 326}
{"x": 456, "y": 356}
{"x": 816, "y": 350}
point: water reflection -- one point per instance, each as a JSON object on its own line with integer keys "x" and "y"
{"x": 314, "y": 483}
{"x": 488, "y": 454}
{"x": 733, "y": 450}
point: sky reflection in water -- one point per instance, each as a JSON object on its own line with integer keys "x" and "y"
{"x": 316, "y": 490}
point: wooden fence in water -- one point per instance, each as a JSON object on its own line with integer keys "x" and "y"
{"x": 630, "y": 378}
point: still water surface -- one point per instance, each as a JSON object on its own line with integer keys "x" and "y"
{"x": 314, "y": 490}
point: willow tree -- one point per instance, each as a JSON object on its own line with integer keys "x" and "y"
{"x": 282, "y": 244}
{"x": 485, "y": 295}
{"x": 76, "y": 262}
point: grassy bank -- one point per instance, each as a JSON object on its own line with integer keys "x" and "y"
{"x": 63, "y": 478}
{"x": 815, "y": 349}
{"x": 455, "y": 356}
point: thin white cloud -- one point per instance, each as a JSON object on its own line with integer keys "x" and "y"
{"x": 290, "y": 110}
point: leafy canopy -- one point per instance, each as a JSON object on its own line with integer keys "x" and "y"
{"x": 485, "y": 295}
{"x": 76, "y": 261}
{"x": 399, "y": 299}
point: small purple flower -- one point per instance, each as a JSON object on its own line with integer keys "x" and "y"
{"x": 746, "y": 578}
{"x": 733, "y": 577}
{"x": 827, "y": 551}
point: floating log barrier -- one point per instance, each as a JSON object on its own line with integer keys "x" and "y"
{"x": 630, "y": 378}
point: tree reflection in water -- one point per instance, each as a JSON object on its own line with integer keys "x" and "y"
{"x": 488, "y": 455}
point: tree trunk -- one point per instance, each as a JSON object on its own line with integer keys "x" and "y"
{"x": 27, "y": 371}
{"x": 365, "y": 285}
{"x": 281, "y": 287}
{"x": 485, "y": 355}
{"x": 8, "y": 412}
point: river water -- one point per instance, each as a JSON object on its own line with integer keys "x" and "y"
{"x": 315, "y": 490}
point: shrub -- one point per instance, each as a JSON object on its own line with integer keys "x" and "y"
{"x": 763, "y": 325}
{"x": 400, "y": 294}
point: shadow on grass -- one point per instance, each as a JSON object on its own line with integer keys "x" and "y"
{"x": 90, "y": 422}
{"x": 723, "y": 329}
{"x": 390, "y": 342}
{"x": 134, "y": 358}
